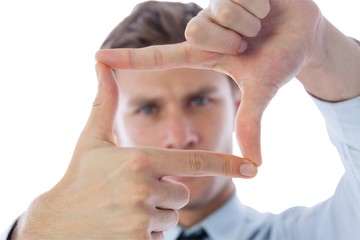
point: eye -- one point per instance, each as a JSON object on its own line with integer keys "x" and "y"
{"x": 148, "y": 109}
{"x": 199, "y": 101}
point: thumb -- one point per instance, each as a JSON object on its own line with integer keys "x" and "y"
{"x": 248, "y": 120}
{"x": 99, "y": 129}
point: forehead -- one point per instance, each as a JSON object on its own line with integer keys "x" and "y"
{"x": 174, "y": 81}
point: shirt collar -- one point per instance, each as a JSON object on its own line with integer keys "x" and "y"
{"x": 224, "y": 223}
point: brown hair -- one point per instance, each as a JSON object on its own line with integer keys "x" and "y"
{"x": 152, "y": 23}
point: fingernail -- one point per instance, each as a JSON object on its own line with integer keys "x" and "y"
{"x": 248, "y": 170}
{"x": 243, "y": 46}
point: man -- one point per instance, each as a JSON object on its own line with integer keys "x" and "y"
{"x": 262, "y": 45}
{"x": 124, "y": 190}
{"x": 181, "y": 108}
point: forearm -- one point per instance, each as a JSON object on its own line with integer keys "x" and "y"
{"x": 332, "y": 72}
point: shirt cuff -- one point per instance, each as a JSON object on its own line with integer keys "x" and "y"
{"x": 8, "y": 233}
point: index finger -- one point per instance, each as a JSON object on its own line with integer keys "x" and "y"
{"x": 161, "y": 57}
{"x": 170, "y": 162}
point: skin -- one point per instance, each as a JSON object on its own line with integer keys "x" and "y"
{"x": 287, "y": 39}
{"x": 293, "y": 40}
{"x": 180, "y": 110}
{"x": 113, "y": 192}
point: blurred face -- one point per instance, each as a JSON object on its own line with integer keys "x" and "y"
{"x": 180, "y": 109}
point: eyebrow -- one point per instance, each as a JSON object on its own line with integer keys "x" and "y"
{"x": 202, "y": 91}
{"x": 143, "y": 100}
{"x": 140, "y": 101}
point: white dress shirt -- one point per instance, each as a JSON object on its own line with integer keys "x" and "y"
{"x": 337, "y": 218}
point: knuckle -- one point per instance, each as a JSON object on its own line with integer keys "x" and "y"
{"x": 131, "y": 228}
{"x": 185, "y": 197}
{"x": 198, "y": 164}
{"x": 228, "y": 168}
{"x": 188, "y": 53}
{"x": 158, "y": 58}
{"x": 255, "y": 29}
{"x": 224, "y": 15}
{"x": 257, "y": 26}
{"x": 97, "y": 102}
{"x": 192, "y": 31}
{"x": 140, "y": 196}
{"x": 259, "y": 8}
{"x": 130, "y": 59}
{"x": 182, "y": 194}
{"x": 140, "y": 224}
{"x": 141, "y": 217}
{"x": 266, "y": 9}
{"x": 138, "y": 162}
{"x": 173, "y": 218}
{"x": 234, "y": 44}
{"x": 144, "y": 220}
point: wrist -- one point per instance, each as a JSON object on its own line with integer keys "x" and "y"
{"x": 332, "y": 70}
{"x": 31, "y": 224}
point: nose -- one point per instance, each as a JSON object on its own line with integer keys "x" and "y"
{"x": 179, "y": 133}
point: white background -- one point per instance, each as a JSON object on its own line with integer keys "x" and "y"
{"x": 48, "y": 84}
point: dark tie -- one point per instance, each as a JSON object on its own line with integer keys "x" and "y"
{"x": 198, "y": 235}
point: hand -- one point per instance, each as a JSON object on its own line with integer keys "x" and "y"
{"x": 118, "y": 193}
{"x": 231, "y": 37}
